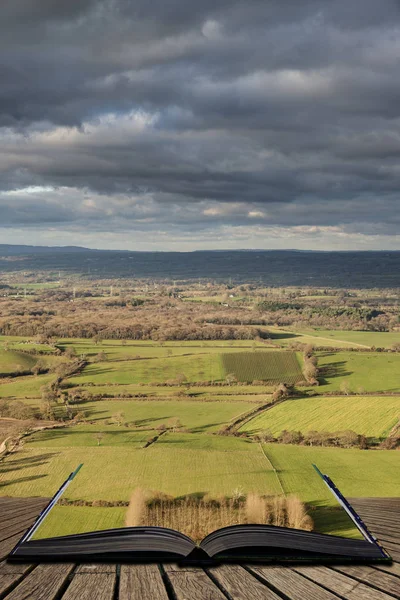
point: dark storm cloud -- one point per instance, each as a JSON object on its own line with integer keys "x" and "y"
{"x": 198, "y": 115}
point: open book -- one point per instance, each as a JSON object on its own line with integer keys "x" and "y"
{"x": 237, "y": 543}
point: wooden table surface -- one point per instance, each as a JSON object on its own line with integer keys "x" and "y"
{"x": 168, "y": 582}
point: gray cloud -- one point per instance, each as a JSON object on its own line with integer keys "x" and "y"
{"x": 202, "y": 117}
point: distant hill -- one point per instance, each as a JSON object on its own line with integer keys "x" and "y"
{"x": 268, "y": 267}
{"x": 14, "y": 250}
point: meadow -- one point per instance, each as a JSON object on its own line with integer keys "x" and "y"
{"x": 377, "y": 339}
{"x": 175, "y": 466}
{"x": 334, "y": 338}
{"x": 12, "y": 361}
{"x": 193, "y": 415}
{"x": 192, "y": 368}
{"x": 356, "y": 472}
{"x": 366, "y": 415}
{"x": 361, "y": 371}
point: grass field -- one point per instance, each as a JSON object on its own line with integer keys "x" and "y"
{"x": 355, "y": 472}
{"x": 367, "y": 415}
{"x": 378, "y": 339}
{"x": 194, "y": 368}
{"x": 84, "y": 518}
{"x": 111, "y": 473}
{"x": 115, "y": 349}
{"x": 175, "y": 467}
{"x": 12, "y": 360}
{"x": 373, "y": 372}
{"x": 335, "y": 338}
{"x": 197, "y": 416}
{"x": 273, "y": 367}
{"x": 25, "y": 387}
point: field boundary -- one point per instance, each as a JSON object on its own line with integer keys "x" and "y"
{"x": 273, "y": 468}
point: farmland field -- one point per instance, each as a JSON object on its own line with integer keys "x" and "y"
{"x": 111, "y": 473}
{"x": 268, "y": 366}
{"x": 12, "y": 360}
{"x": 355, "y": 472}
{"x": 194, "y": 368}
{"x": 177, "y": 468}
{"x": 378, "y": 339}
{"x": 197, "y": 416}
{"x": 366, "y": 415}
{"x": 369, "y": 371}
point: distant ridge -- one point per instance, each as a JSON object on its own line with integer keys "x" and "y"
{"x": 339, "y": 269}
{"x": 14, "y": 249}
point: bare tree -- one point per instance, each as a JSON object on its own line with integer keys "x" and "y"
{"x": 118, "y": 418}
{"x": 99, "y": 436}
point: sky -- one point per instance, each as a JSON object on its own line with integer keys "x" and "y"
{"x": 183, "y": 125}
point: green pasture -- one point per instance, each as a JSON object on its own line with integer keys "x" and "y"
{"x": 335, "y": 338}
{"x": 149, "y": 349}
{"x": 269, "y": 366}
{"x": 355, "y": 472}
{"x": 196, "y": 416}
{"x": 369, "y": 371}
{"x": 194, "y": 367}
{"x": 85, "y": 436}
{"x": 112, "y": 473}
{"x": 179, "y": 467}
{"x": 378, "y": 339}
{"x": 13, "y": 360}
{"x": 65, "y": 520}
{"x": 25, "y": 387}
{"x": 366, "y": 415}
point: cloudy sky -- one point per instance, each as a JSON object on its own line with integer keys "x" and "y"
{"x": 186, "y": 124}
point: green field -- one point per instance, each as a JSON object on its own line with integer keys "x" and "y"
{"x": 196, "y": 416}
{"x": 372, "y": 372}
{"x": 25, "y": 387}
{"x": 378, "y": 339}
{"x": 273, "y": 367}
{"x": 357, "y": 473}
{"x": 334, "y": 338}
{"x": 194, "y": 368}
{"x": 115, "y": 350}
{"x": 366, "y": 415}
{"x": 111, "y": 473}
{"x": 84, "y": 518}
{"x": 173, "y": 466}
{"x": 13, "y": 360}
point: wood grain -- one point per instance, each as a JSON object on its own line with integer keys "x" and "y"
{"x": 340, "y": 584}
{"x": 91, "y": 586}
{"x": 241, "y": 585}
{"x": 141, "y": 582}
{"x": 190, "y": 585}
{"x": 44, "y": 583}
{"x": 292, "y": 584}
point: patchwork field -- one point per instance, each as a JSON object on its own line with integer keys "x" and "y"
{"x": 273, "y": 367}
{"x": 189, "y": 458}
{"x": 366, "y": 415}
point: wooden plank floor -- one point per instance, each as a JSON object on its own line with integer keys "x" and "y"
{"x": 169, "y": 582}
